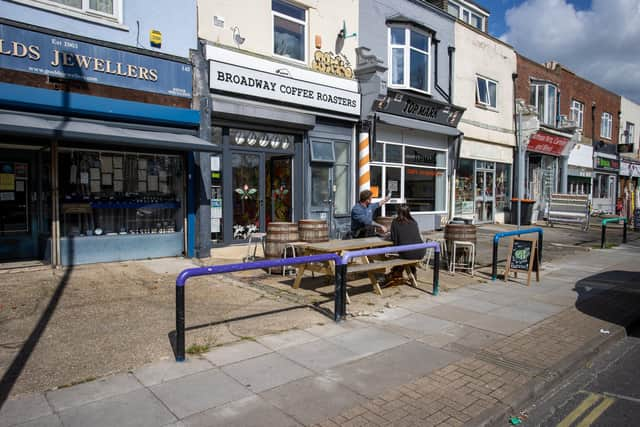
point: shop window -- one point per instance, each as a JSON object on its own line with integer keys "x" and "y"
{"x": 424, "y": 157}
{"x": 322, "y": 151}
{"x": 486, "y": 92}
{"x": 109, "y": 9}
{"x": 464, "y": 188}
{"x": 605, "y": 125}
{"x": 393, "y": 153}
{"x": 217, "y": 222}
{"x": 503, "y": 185}
{"x": 114, "y": 193}
{"x": 409, "y": 52}
{"x": 341, "y": 179}
{"x": 424, "y": 189}
{"x": 289, "y": 30}
{"x": 577, "y": 113}
{"x": 544, "y": 96}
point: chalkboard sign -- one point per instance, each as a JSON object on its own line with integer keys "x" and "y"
{"x": 522, "y": 256}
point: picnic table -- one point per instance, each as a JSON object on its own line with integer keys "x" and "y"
{"x": 366, "y": 264}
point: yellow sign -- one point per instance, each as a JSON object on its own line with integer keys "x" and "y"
{"x": 7, "y": 182}
{"x": 155, "y": 38}
{"x": 334, "y": 64}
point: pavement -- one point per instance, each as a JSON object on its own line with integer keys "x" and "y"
{"x": 471, "y": 356}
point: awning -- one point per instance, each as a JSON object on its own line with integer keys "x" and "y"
{"x": 392, "y": 119}
{"x": 70, "y": 129}
{"x": 236, "y": 109}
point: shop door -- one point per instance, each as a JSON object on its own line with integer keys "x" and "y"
{"x": 248, "y": 195}
{"x": 322, "y": 189}
{"x": 612, "y": 193}
{"x": 485, "y": 198}
{"x": 18, "y": 207}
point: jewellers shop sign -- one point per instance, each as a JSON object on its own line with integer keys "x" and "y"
{"x": 65, "y": 58}
{"x": 260, "y": 84}
{"x": 413, "y": 107}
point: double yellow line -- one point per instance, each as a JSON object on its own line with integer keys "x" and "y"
{"x": 593, "y": 406}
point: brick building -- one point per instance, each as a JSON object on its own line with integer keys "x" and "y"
{"x": 575, "y": 149}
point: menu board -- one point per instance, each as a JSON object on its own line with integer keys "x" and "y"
{"x": 522, "y": 256}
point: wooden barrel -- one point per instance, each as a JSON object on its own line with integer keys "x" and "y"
{"x": 278, "y": 235}
{"x": 313, "y": 230}
{"x": 385, "y": 220}
{"x": 466, "y": 232}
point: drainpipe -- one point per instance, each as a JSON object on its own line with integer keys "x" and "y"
{"x": 593, "y": 144}
{"x": 451, "y": 51}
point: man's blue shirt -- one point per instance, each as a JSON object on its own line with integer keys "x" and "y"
{"x": 361, "y": 216}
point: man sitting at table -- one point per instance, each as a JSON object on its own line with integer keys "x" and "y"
{"x": 362, "y": 223}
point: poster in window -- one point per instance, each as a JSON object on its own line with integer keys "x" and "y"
{"x": 118, "y": 187}
{"x": 117, "y": 162}
{"x": 107, "y": 179}
{"x": 95, "y": 186}
{"x": 21, "y": 170}
{"x": 152, "y": 183}
{"x": 7, "y": 182}
{"x": 84, "y": 177}
{"x": 7, "y": 196}
{"x": 106, "y": 164}
{"x": 20, "y": 186}
{"x": 95, "y": 173}
{"x": 117, "y": 175}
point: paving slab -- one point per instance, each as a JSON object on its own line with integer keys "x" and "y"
{"x": 422, "y": 323}
{"x": 236, "y": 352}
{"x": 387, "y": 314}
{"x": 419, "y": 304}
{"x": 520, "y": 313}
{"x": 137, "y": 408}
{"x": 252, "y": 411}
{"x": 92, "y": 391}
{"x": 167, "y": 370}
{"x": 318, "y": 355}
{"x": 29, "y": 407}
{"x": 500, "y": 325}
{"x": 373, "y": 375}
{"x": 312, "y": 399}
{"x": 540, "y": 307}
{"x": 286, "y": 339}
{"x": 468, "y": 337}
{"x": 452, "y": 313}
{"x": 474, "y": 304}
{"x": 198, "y": 392}
{"x": 264, "y": 372}
{"x": 363, "y": 342}
{"x": 331, "y": 329}
{"x": 48, "y": 421}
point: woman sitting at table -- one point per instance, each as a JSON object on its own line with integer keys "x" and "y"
{"x": 405, "y": 231}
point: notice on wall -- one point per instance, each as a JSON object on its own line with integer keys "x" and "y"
{"x": 84, "y": 177}
{"x": 106, "y": 164}
{"x": 107, "y": 179}
{"x": 152, "y": 183}
{"x": 117, "y": 175}
{"x": 20, "y": 186}
{"x": 7, "y": 182}
{"x": 142, "y": 175}
{"x": 117, "y": 162}
{"x": 95, "y": 173}
{"x": 393, "y": 185}
{"x": 21, "y": 170}
{"x": 216, "y": 208}
{"x": 215, "y": 225}
{"x": 95, "y": 186}
{"x": 118, "y": 186}
{"x": 7, "y": 196}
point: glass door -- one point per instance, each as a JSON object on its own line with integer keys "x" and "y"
{"x": 322, "y": 193}
{"x": 485, "y": 194}
{"x": 248, "y": 193}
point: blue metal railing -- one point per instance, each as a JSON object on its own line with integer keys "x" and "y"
{"x": 498, "y": 236}
{"x": 604, "y": 229}
{"x": 340, "y": 279}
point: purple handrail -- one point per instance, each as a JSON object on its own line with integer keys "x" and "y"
{"x": 389, "y": 249}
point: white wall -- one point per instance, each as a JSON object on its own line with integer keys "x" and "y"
{"x": 630, "y": 113}
{"x": 254, "y": 20}
{"x": 479, "y": 54}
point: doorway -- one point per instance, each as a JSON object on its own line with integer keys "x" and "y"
{"x": 485, "y": 194}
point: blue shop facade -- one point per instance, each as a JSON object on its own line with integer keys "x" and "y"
{"x": 97, "y": 149}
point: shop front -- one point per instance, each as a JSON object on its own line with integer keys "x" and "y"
{"x": 412, "y": 152}
{"x": 580, "y": 171}
{"x": 547, "y": 156}
{"x": 629, "y": 185}
{"x": 89, "y": 178}
{"x": 285, "y": 145}
{"x": 606, "y": 166}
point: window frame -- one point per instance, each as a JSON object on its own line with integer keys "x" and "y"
{"x": 84, "y": 12}
{"x": 606, "y": 125}
{"x": 466, "y": 15}
{"x": 546, "y": 113}
{"x": 289, "y": 18}
{"x": 577, "y": 109}
{"x": 406, "y": 57}
{"x": 487, "y": 82}
{"x": 630, "y": 135}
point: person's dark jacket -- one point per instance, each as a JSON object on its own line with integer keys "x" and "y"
{"x": 405, "y": 234}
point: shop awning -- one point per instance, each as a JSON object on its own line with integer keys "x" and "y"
{"x": 394, "y": 120}
{"x": 88, "y": 132}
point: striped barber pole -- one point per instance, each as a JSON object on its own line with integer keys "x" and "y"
{"x": 364, "y": 180}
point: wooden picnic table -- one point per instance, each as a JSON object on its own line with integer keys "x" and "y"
{"x": 339, "y": 247}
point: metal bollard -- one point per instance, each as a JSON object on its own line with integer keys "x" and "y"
{"x": 603, "y": 236}
{"x": 624, "y": 231}
{"x": 494, "y": 262}
{"x": 180, "y": 324}
{"x": 436, "y": 273}
{"x": 340, "y": 299}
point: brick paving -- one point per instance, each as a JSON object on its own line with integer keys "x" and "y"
{"x": 462, "y": 392}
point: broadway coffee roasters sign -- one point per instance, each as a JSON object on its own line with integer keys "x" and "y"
{"x": 39, "y": 53}
{"x": 245, "y": 81}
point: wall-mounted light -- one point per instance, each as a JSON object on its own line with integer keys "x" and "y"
{"x": 240, "y": 138}
{"x": 286, "y": 142}
{"x": 275, "y": 142}
{"x": 252, "y": 139}
{"x": 264, "y": 140}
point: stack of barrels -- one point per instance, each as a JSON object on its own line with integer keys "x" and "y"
{"x": 281, "y": 233}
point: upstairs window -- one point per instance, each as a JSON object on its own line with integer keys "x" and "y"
{"x": 605, "y": 125}
{"x": 544, "y": 96}
{"x": 97, "y": 8}
{"x": 577, "y": 113}
{"x": 467, "y": 15}
{"x": 289, "y": 30}
{"x": 409, "y": 56}
{"x": 630, "y": 133}
{"x": 486, "y": 92}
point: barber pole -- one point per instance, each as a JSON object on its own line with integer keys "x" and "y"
{"x": 364, "y": 180}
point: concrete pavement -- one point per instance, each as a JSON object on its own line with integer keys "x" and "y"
{"x": 469, "y": 356}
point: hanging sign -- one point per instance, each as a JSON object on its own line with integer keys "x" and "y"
{"x": 413, "y": 107}
{"x": 607, "y": 164}
{"x": 331, "y": 63}
{"x": 38, "y": 53}
{"x": 546, "y": 143}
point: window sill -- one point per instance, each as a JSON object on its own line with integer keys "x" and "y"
{"x": 96, "y": 19}
{"x": 291, "y": 60}
{"x": 410, "y": 89}
{"x": 486, "y": 107}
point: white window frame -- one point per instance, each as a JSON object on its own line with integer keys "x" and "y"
{"x": 548, "y": 119}
{"x": 304, "y": 23}
{"x": 83, "y": 13}
{"x": 486, "y": 82}
{"x": 401, "y": 199}
{"x": 606, "y": 123}
{"x": 577, "y": 112}
{"x": 465, "y": 14}
{"x": 407, "y": 48}
{"x": 630, "y": 129}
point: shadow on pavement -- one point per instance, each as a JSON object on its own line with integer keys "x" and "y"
{"x": 612, "y": 296}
